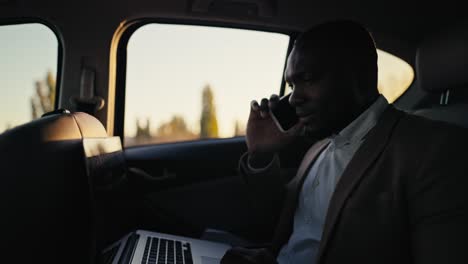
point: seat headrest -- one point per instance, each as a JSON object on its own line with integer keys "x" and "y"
{"x": 57, "y": 127}
{"x": 45, "y": 191}
{"x": 442, "y": 60}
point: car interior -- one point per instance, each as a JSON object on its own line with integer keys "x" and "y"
{"x": 59, "y": 209}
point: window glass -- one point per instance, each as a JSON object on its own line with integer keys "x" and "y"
{"x": 395, "y": 75}
{"x": 193, "y": 82}
{"x": 28, "y": 67}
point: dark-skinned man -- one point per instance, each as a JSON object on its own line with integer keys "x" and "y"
{"x": 380, "y": 186}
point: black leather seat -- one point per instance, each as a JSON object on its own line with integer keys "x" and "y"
{"x": 44, "y": 190}
{"x": 442, "y": 68}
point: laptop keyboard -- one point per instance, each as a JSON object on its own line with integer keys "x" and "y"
{"x": 166, "y": 251}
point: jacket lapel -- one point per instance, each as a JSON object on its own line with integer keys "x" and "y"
{"x": 364, "y": 157}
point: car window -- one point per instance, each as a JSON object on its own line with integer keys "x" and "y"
{"x": 28, "y": 70}
{"x": 187, "y": 82}
{"x": 395, "y": 75}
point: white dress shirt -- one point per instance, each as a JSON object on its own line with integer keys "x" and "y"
{"x": 319, "y": 186}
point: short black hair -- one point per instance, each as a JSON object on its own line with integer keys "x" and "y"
{"x": 344, "y": 42}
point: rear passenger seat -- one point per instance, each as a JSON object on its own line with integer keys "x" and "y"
{"x": 44, "y": 191}
{"x": 442, "y": 68}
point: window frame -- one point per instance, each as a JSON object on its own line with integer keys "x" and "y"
{"x": 52, "y": 27}
{"x": 121, "y": 61}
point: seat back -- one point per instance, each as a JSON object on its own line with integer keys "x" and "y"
{"x": 442, "y": 68}
{"x": 44, "y": 191}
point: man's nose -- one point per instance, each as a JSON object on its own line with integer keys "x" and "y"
{"x": 296, "y": 98}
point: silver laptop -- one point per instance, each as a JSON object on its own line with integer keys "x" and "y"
{"x": 104, "y": 156}
{"x": 146, "y": 247}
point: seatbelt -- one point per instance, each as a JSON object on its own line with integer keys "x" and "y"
{"x": 87, "y": 102}
{"x": 444, "y": 98}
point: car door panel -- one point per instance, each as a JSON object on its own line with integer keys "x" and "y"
{"x": 197, "y": 186}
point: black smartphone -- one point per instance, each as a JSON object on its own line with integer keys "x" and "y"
{"x": 284, "y": 115}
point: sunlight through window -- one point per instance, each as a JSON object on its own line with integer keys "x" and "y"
{"x": 395, "y": 75}
{"x": 194, "y": 82}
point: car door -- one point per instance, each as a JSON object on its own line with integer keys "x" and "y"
{"x": 182, "y": 111}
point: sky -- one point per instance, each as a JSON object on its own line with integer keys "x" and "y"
{"x": 27, "y": 52}
{"x": 167, "y": 68}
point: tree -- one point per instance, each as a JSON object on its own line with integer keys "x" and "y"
{"x": 238, "y": 129}
{"x": 143, "y": 132}
{"x": 44, "y": 99}
{"x": 175, "y": 127}
{"x": 174, "y": 130}
{"x": 7, "y": 127}
{"x": 208, "y": 121}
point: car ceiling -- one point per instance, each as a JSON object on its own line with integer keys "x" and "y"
{"x": 86, "y": 28}
{"x": 405, "y": 20}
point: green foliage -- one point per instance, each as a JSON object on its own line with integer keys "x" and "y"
{"x": 238, "y": 129}
{"x": 143, "y": 132}
{"x": 177, "y": 127}
{"x": 43, "y": 100}
{"x": 50, "y": 80}
{"x": 208, "y": 121}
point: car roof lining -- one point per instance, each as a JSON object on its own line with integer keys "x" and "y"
{"x": 398, "y": 27}
{"x": 413, "y": 19}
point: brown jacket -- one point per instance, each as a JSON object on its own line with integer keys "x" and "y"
{"x": 402, "y": 198}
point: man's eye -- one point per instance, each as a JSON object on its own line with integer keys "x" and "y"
{"x": 309, "y": 78}
{"x": 316, "y": 76}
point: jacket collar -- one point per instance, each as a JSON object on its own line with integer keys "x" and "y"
{"x": 377, "y": 139}
{"x": 358, "y": 129}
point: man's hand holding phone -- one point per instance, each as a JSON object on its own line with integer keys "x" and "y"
{"x": 266, "y": 133}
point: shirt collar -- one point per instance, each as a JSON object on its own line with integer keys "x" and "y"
{"x": 358, "y": 129}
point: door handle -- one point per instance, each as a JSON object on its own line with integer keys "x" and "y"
{"x": 143, "y": 176}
